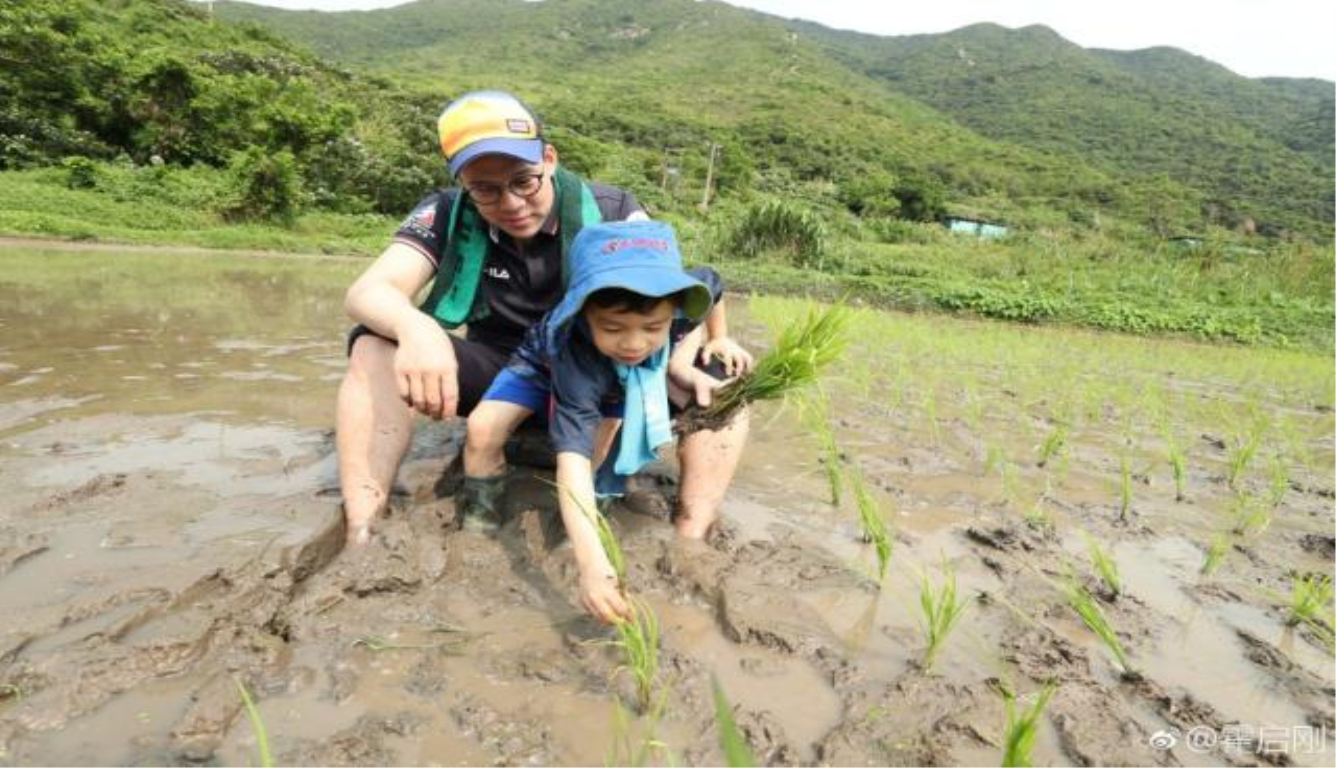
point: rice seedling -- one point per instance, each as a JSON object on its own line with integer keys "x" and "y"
{"x": 1022, "y": 727}
{"x": 930, "y": 414}
{"x": 257, "y": 724}
{"x": 639, "y": 640}
{"x": 1053, "y": 444}
{"x": 816, "y": 412}
{"x": 1309, "y": 601}
{"x": 1124, "y": 486}
{"x": 731, "y": 741}
{"x": 995, "y": 458}
{"x": 1105, "y": 566}
{"x": 1037, "y": 515}
{"x": 1219, "y": 547}
{"x": 1086, "y": 607}
{"x": 1178, "y": 461}
{"x": 875, "y": 529}
{"x": 941, "y": 610}
{"x": 1279, "y": 482}
{"x": 804, "y": 349}
{"x": 11, "y": 691}
{"x": 1251, "y": 517}
{"x": 628, "y": 749}
{"x": 1242, "y": 449}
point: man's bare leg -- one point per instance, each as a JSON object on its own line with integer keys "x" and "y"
{"x": 708, "y": 462}
{"x": 373, "y": 429}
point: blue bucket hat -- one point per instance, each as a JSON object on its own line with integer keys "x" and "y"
{"x": 639, "y": 256}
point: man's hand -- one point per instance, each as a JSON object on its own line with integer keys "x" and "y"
{"x": 736, "y": 360}
{"x": 425, "y": 369}
{"x": 602, "y": 597}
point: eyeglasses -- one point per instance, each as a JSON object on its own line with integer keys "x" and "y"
{"x": 525, "y": 186}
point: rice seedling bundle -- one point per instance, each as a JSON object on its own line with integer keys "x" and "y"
{"x": 803, "y": 351}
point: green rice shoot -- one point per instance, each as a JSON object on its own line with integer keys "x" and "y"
{"x": 736, "y": 751}
{"x": 1022, "y": 727}
{"x": 1053, "y": 444}
{"x": 941, "y": 610}
{"x": 1310, "y": 602}
{"x": 875, "y": 529}
{"x": 639, "y": 640}
{"x": 1105, "y": 566}
{"x": 1085, "y": 606}
{"x": 257, "y": 724}
{"x": 1216, "y": 551}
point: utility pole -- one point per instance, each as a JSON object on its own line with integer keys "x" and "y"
{"x": 709, "y": 178}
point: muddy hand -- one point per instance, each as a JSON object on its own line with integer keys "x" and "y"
{"x": 736, "y": 360}
{"x": 600, "y": 596}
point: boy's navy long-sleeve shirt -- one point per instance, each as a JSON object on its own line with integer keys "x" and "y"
{"x": 584, "y": 384}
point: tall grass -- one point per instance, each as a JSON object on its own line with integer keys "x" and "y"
{"x": 731, "y": 741}
{"x": 1022, "y": 727}
{"x": 1094, "y": 618}
{"x": 257, "y": 724}
{"x": 776, "y": 225}
{"x": 875, "y": 529}
{"x": 941, "y": 611}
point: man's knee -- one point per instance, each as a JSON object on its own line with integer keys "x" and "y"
{"x": 371, "y": 355}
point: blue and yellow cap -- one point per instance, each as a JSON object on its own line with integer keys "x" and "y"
{"x": 489, "y": 123}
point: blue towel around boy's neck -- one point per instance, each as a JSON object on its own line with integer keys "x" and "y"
{"x": 645, "y": 424}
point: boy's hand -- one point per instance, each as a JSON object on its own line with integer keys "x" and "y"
{"x": 600, "y": 595}
{"x": 736, "y": 360}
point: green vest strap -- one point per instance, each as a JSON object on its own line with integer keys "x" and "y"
{"x": 454, "y": 298}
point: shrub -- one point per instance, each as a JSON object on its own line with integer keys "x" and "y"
{"x": 773, "y": 225}
{"x": 80, "y": 173}
{"x": 265, "y": 185}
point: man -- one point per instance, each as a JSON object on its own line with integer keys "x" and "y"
{"x": 495, "y": 248}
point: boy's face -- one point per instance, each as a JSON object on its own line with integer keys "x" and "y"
{"x": 629, "y": 337}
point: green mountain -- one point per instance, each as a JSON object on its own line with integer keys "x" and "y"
{"x": 1016, "y": 124}
{"x": 1260, "y": 149}
{"x": 161, "y": 82}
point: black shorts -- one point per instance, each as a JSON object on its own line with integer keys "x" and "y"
{"x": 478, "y": 365}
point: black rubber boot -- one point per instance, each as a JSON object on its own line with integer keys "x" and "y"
{"x": 480, "y": 501}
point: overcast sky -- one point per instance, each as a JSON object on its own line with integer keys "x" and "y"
{"x": 1256, "y": 38}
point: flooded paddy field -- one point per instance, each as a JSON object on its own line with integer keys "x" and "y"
{"x": 169, "y": 527}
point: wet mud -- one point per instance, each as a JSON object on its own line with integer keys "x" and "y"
{"x": 171, "y": 530}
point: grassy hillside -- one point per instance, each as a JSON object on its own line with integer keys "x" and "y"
{"x": 638, "y": 78}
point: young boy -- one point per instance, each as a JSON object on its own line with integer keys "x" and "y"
{"x": 622, "y": 342}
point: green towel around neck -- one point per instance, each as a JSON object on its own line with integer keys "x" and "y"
{"x": 454, "y": 298}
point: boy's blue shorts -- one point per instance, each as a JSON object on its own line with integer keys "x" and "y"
{"x": 533, "y": 393}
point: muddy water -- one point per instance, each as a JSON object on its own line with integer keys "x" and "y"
{"x": 170, "y": 527}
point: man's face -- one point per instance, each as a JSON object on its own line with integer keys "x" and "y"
{"x": 504, "y": 179}
{"x": 629, "y": 337}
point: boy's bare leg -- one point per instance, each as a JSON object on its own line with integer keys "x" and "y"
{"x": 708, "y": 462}
{"x": 490, "y": 425}
{"x": 373, "y": 429}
